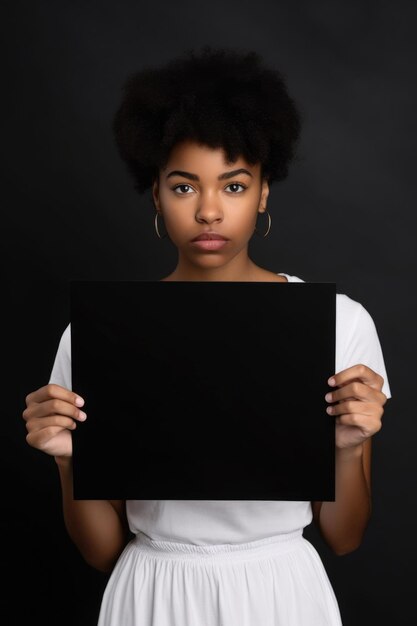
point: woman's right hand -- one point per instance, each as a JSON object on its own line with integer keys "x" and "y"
{"x": 51, "y": 414}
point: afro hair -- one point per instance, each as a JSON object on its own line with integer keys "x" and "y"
{"x": 221, "y": 98}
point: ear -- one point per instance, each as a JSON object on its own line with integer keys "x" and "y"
{"x": 155, "y": 194}
{"x": 264, "y": 196}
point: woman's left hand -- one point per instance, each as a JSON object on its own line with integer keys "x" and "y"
{"x": 358, "y": 407}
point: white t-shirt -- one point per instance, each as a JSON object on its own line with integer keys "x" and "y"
{"x": 233, "y": 521}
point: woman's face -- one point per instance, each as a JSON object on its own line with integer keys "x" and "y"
{"x": 198, "y": 192}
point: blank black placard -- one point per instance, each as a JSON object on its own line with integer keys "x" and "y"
{"x": 203, "y": 390}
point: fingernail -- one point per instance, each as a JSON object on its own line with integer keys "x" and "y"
{"x": 331, "y": 381}
{"x": 79, "y": 401}
{"x": 328, "y": 397}
{"x": 82, "y": 415}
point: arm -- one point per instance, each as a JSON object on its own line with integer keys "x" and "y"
{"x": 342, "y": 523}
{"x": 358, "y": 411}
{"x": 98, "y": 528}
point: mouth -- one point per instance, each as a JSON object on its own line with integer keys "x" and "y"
{"x": 209, "y": 237}
{"x": 208, "y": 244}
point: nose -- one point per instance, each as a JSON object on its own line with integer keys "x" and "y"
{"x": 209, "y": 211}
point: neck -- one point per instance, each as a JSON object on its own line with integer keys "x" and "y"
{"x": 238, "y": 269}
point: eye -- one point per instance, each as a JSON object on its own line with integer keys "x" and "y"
{"x": 174, "y": 189}
{"x": 237, "y": 185}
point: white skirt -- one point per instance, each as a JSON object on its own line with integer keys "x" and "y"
{"x": 277, "y": 581}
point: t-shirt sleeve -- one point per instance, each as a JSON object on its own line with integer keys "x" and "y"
{"x": 61, "y": 370}
{"x": 363, "y": 346}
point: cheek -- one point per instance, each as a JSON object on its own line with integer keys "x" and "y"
{"x": 248, "y": 222}
{"x": 178, "y": 224}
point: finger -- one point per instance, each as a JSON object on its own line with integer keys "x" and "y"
{"x": 356, "y": 390}
{"x": 53, "y": 390}
{"x": 36, "y": 424}
{"x": 359, "y": 372}
{"x": 370, "y": 427}
{"x": 40, "y": 438}
{"x": 356, "y": 406}
{"x": 53, "y": 407}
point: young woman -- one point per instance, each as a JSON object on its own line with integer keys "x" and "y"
{"x": 208, "y": 133}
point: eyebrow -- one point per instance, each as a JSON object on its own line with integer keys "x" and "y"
{"x": 223, "y": 176}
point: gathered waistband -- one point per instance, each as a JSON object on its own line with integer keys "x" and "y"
{"x": 268, "y": 546}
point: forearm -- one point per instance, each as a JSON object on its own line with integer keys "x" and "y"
{"x": 343, "y": 522}
{"x": 94, "y": 525}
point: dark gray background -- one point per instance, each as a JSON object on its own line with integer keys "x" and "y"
{"x": 345, "y": 214}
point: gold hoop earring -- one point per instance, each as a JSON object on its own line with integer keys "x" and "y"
{"x": 269, "y": 225}
{"x": 156, "y": 226}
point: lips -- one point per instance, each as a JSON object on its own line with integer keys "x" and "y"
{"x": 209, "y": 237}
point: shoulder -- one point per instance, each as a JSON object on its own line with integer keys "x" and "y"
{"x": 348, "y": 310}
{"x": 352, "y": 316}
{"x": 61, "y": 370}
{"x": 63, "y": 354}
{"x": 357, "y": 339}
{"x": 65, "y": 341}
{"x": 353, "y": 321}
